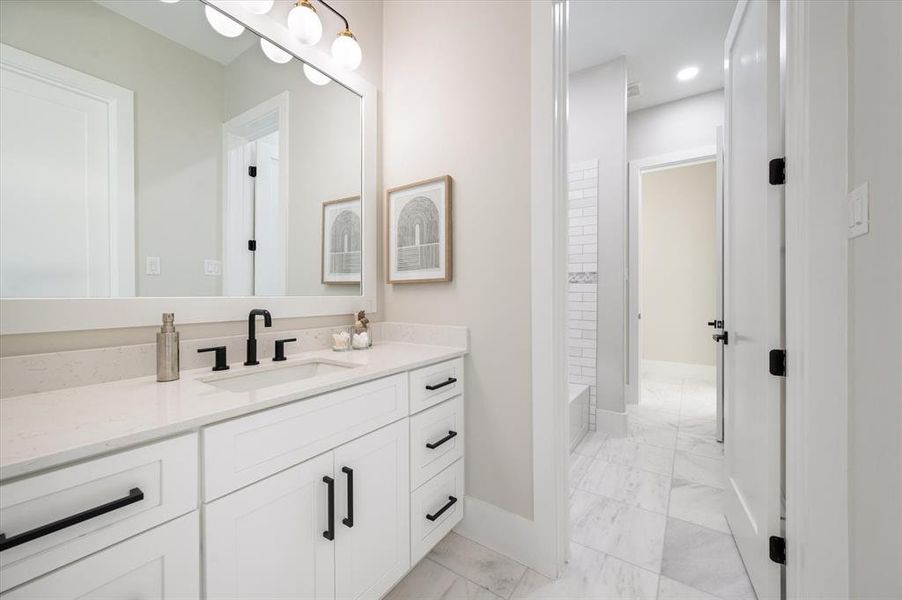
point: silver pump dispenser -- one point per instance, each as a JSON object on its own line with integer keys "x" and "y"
{"x": 168, "y": 350}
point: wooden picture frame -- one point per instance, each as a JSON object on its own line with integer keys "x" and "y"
{"x": 418, "y": 232}
{"x": 351, "y": 253}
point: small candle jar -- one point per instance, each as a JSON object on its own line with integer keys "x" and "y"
{"x": 362, "y": 340}
{"x": 341, "y": 339}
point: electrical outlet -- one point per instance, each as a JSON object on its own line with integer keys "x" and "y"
{"x": 152, "y": 265}
{"x": 212, "y": 267}
{"x": 859, "y": 211}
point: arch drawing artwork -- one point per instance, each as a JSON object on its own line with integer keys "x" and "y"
{"x": 418, "y": 232}
{"x": 342, "y": 242}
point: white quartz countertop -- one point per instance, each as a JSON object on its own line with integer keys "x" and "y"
{"x": 39, "y": 431}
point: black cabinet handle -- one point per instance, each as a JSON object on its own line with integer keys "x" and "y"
{"x": 329, "y": 533}
{"x": 349, "y": 520}
{"x": 434, "y": 445}
{"x": 437, "y": 386}
{"x": 451, "y": 502}
{"x": 134, "y": 495}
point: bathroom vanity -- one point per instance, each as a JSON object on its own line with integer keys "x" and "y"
{"x": 229, "y": 485}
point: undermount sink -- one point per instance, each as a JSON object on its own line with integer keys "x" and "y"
{"x": 248, "y": 381}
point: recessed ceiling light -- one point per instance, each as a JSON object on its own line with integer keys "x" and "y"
{"x": 687, "y": 73}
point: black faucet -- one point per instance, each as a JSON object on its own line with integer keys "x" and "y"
{"x": 252, "y": 333}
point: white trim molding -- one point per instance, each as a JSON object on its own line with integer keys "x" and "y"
{"x": 35, "y": 315}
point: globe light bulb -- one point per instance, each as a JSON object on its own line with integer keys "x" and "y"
{"x": 222, "y": 24}
{"x": 169, "y": 1}
{"x": 258, "y": 7}
{"x": 304, "y": 23}
{"x": 314, "y": 76}
{"x": 274, "y": 53}
{"x": 346, "y": 50}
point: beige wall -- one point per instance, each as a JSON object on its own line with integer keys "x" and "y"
{"x": 456, "y": 101}
{"x": 678, "y": 264}
{"x": 875, "y": 302}
{"x": 178, "y": 97}
{"x": 679, "y": 125}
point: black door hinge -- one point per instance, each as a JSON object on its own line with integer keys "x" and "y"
{"x": 777, "y": 363}
{"x": 778, "y": 549}
{"x": 252, "y": 171}
{"x": 777, "y": 171}
{"x": 252, "y": 245}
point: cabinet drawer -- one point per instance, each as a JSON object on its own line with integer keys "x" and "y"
{"x": 427, "y": 526}
{"x": 132, "y": 491}
{"x": 441, "y": 427}
{"x": 436, "y": 383}
{"x": 163, "y": 564}
{"x": 247, "y": 449}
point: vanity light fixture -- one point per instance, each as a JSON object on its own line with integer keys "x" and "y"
{"x": 346, "y": 50}
{"x": 258, "y": 7}
{"x": 304, "y": 23}
{"x": 314, "y": 76}
{"x": 169, "y": 1}
{"x": 274, "y": 53}
{"x": 687, "y": 73}
{"x": 222, "y": 24}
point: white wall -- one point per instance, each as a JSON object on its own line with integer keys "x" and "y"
{"x": 679, "y": 125}
{"x": 875, "y": 302}
{"x": 456, "y": 101}
{"x": 597, "y": 130}
{"x": 678, "y": 264}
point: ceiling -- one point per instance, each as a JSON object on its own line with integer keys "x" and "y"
{"x": 658, "y": 38}
{"x": 183, "y": 23}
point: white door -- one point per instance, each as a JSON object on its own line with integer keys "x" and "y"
{"x": 267, "y": 540}
{"x": 753, "y": 310}
{"x": 160, "y": 564}
{"x": 372, "y": 543}
{"x": 269, "y": 222}
{"x": 66, "y": 189}
{"x": 718, "y": 280}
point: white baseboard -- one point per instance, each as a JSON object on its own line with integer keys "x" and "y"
{"x": 504, "y": 532}
{"x": 664, "y": 368}
{"x": 608, "y": 421}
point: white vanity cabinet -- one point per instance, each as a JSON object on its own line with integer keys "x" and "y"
{"x": 333, "y": 526}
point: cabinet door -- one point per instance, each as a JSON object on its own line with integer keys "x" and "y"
{"x": 372, "y": 543}
{"x": 266, "y": 540}
{"x": 160, "y": 564}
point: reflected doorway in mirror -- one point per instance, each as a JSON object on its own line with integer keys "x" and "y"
{"x": 418, "y": 232}
{"x": 341, "y": 235}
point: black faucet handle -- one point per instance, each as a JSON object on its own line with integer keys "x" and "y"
{"x": 221, "y": 362}
{"x": 280, "y": 348}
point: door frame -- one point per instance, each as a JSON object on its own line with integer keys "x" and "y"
{"x": 637, "y": 168}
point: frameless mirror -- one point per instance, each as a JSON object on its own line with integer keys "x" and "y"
{"x": 144, "y": 154}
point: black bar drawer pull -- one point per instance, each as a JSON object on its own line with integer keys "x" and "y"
{"x": 134, "y": 495}
{"x": 451, "y": 502}
{"x": 349, "y": 520}
{"x": 439, "y": 386}
{"x": 329, "y": 533}
{"x": 433, "y": 445}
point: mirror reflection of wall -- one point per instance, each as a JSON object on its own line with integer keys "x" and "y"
{"x": 141, "y": 152}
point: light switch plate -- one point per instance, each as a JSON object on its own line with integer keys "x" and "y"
{"x": 152, "y": 265}
{"x": 859, "y": 211}
{"x": 212, "y": 267}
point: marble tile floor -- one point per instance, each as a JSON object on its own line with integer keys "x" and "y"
{"x": 646, "y": 518}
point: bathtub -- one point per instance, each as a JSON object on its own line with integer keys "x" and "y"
{"x": 579, "y": 413}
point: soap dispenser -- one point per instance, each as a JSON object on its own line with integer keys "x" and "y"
{"x": 168, "y": 350}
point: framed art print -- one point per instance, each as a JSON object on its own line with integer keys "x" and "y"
{"x": 341, "y": 235}
{"x": 418, "y": 232}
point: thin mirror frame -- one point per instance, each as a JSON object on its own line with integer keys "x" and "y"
{"x": 37, "y": 315}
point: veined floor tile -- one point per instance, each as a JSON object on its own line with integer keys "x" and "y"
{"x": 485, "y": 567}
{"x": 431, "y": 581}
{"x": 579, "y": 464}
{"x": 703, "y": 445}
{"x": 698, "y": 425}
{"x": 670, "y": 589}
{"x": 626, "y": 452}
{"x": 706, "y": 560}
{"x": 654, "y": 436}
{"x": 699, "y": 469}
{"x": 591, "y": 443}
{"x": 618, "y": 529}
{"x": 589, "y": 574}
{"x": 699, "y": 504}
{"x": 636, "y": 487}
{"x": 642, "y": 413}
{"x": 662, "y": 396}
